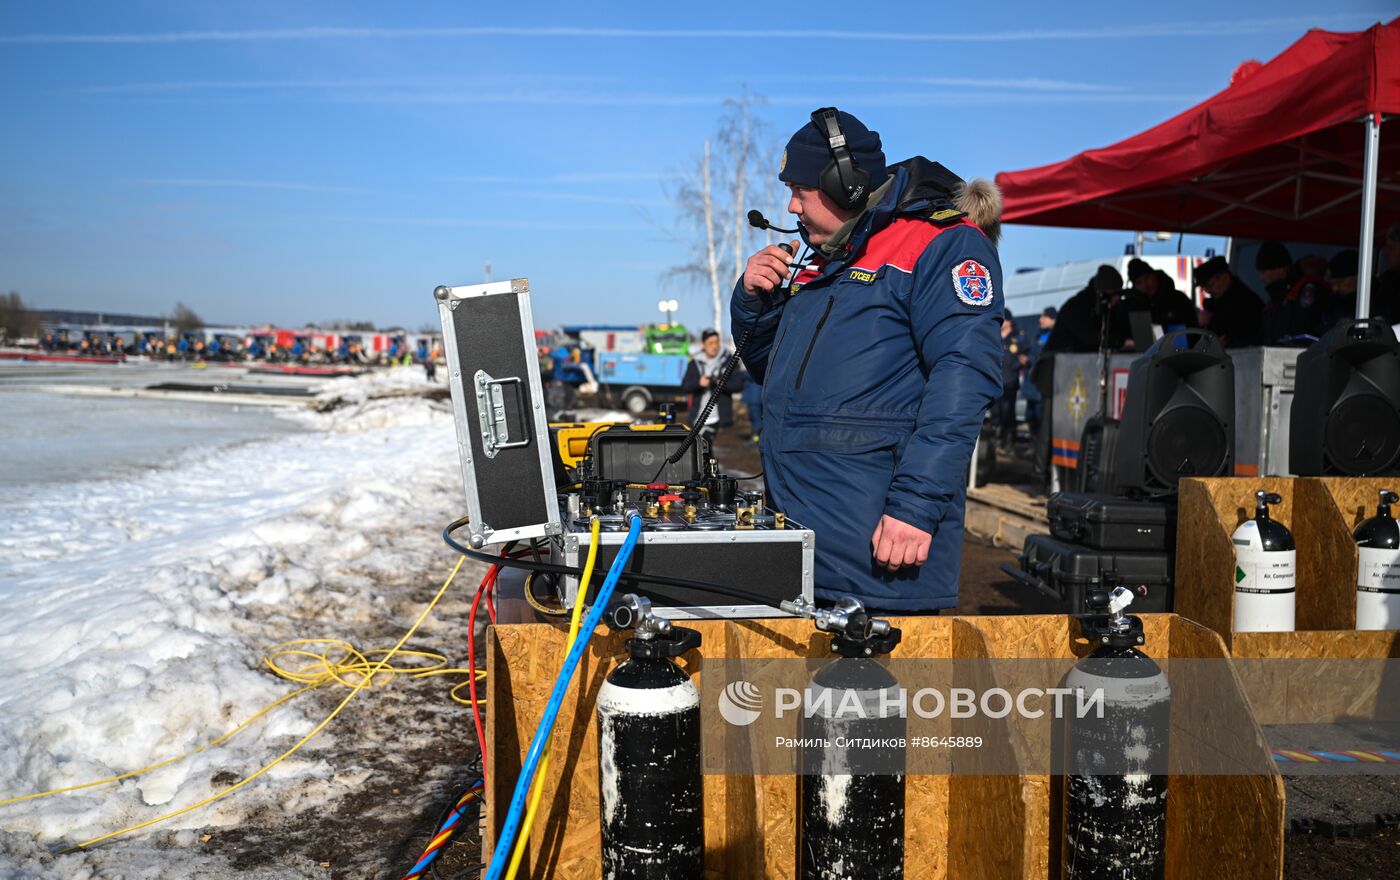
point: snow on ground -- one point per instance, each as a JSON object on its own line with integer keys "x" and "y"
{"x": 134, "y": 613}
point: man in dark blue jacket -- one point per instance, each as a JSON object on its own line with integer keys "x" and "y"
{"x": 878, "y": 361}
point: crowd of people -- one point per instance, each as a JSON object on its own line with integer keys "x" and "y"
{"x": 1302, "y": 299}
{"x": 196, "y": 347}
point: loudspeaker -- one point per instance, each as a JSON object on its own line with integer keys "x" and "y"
{"x": 1346, "y": 403}
{"x": 1179, "y": 417}
{"x": 1098, "y": 448}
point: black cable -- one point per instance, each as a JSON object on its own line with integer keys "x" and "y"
{"x": 718, "y": 387}
{"x": 630, "y": 576}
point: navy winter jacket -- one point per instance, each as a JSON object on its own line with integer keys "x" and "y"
{"x": 876, "y": 372}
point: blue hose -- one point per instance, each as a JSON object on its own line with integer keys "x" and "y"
{"x": 500, "y": 859}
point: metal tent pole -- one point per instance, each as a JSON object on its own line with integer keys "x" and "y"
{"x": 1368, "y": 215}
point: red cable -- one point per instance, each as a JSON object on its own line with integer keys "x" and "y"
{"x": 486, "y": 582}
{"x": 486, "y": 588}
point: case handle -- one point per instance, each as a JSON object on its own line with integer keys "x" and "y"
{"x": 491, "y": 404}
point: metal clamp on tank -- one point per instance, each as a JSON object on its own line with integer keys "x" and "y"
{"x": 1106, "y": 623}
{"x": 855, "y": 633}
{"x": 652, "y": 636}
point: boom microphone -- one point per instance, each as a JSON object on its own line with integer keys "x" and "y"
{"x": 758, "y": 221}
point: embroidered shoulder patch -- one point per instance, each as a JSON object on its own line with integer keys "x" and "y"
{"x": 972, "y": 283}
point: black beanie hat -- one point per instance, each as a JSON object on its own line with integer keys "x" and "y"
{"x": 1137, "y": 268}
{"x": 1209, "y": 269}
{"x": 807, "y": 153}
{"x": 1107, "y": 279}
{"x": 1272, "y": 255}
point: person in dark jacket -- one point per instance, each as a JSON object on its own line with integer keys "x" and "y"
{"x": 700, "y": 376}
{"x": 1171, "y": 309}
{"x": 1385, "y": 294}
{"x": 1341, "y": 279}
{"x": 1305, "y": 302}
{"x": 1014, "y": 356}
{"x": 1234, "y": 312}
{"x": 1080, "y": 319}
{"x": 1272, "y": 262}
{"x": 878, "y": 361}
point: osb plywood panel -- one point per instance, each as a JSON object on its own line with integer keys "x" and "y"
{"x": 1204, "y": 590}
{"x": 1225, "y": 826}
{"x": 763, "y": 810}
{"x": 986, "y": 801}
{"x": 1210, "y": 714}
{"x": 1315, "y": 677}
{"x": 1312, "y": 645}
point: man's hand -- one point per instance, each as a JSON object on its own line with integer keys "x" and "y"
{"x": 767, "y": 269}
{"x": 896, "y": 544}
{"x": 705, "y": 381}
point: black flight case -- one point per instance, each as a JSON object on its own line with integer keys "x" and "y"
{"x": 1068, "y": 573}
{"x": 1109, "y": 522}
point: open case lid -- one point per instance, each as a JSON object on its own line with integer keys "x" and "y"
{"x": 498, "y": 405}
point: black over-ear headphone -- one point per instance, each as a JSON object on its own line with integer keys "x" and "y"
{"x": 842, "y": 179}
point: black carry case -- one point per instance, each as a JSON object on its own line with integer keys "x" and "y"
{"x": 1069, "y": 572}
{"x": 1108, "y": 522}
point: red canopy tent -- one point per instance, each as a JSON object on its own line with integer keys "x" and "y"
{"x": 1290, "y": 151}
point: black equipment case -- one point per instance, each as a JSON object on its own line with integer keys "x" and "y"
{"x": 1068, "y": 573}
{"x": 1108, "y": 522}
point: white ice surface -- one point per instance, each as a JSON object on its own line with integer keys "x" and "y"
{"x": 132, "y": 610}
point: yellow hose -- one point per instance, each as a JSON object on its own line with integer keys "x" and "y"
{"x": 537, "y": 790}
{"x": 362, "y": 679}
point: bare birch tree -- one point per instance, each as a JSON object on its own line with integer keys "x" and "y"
{"x": 710, "y": 202}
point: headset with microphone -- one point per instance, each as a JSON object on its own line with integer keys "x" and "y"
{"x": 845, "y": 182}
{"x": 758, "y": 221}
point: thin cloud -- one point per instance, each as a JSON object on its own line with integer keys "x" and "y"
{"x": 203, "y": 182}
{"x": 1032, "y": 84}
{"x": 545, "y": 98}
{"x": 322, "y": 85}
{"x": 487, "y": 223}
{"x": 902, "y": 98}
{"x": 587, "y": 197}
{"x": 579, "y": 177}
{"x": 974, "y": 99}
{"x": 1197, "y": 29}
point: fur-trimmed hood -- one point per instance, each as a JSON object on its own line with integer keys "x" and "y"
{"x": 980, "y": 199}
{"x": 932, "y": 187}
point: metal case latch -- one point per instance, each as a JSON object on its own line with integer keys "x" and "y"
{"x": 491, "y": 404}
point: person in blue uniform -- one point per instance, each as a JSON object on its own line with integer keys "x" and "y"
{"x": 878, "y": 360}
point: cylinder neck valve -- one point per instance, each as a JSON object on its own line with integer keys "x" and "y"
{"x": 855, "y": 633}
{"x": 652, "y": 635}
{"x": 1106, "y": 623}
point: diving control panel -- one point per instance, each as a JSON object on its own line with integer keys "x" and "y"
{"x": 528, "y": 480}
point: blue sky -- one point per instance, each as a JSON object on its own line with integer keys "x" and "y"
{"x": 300, "y": 161}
